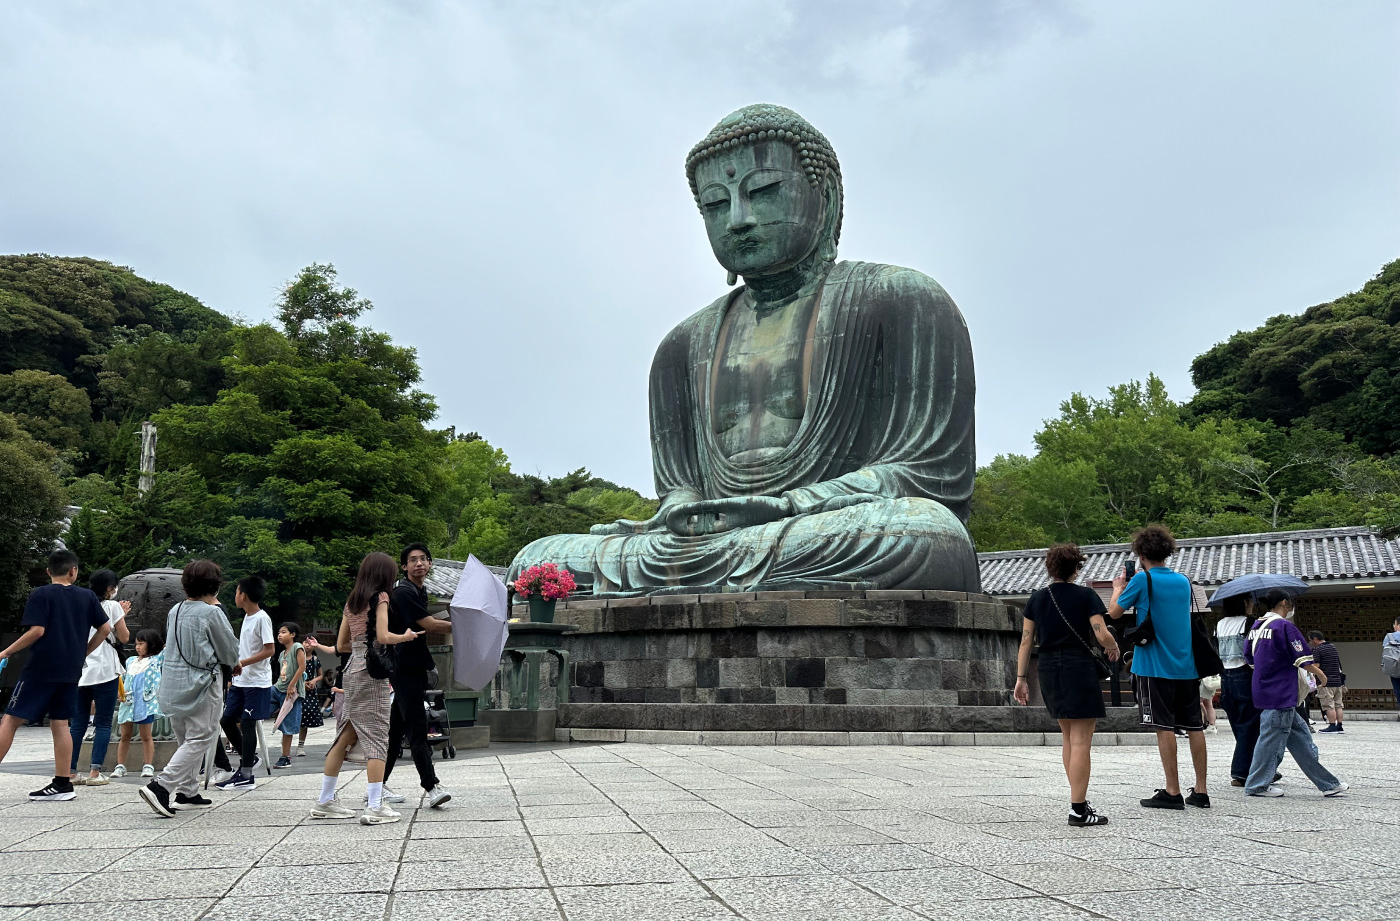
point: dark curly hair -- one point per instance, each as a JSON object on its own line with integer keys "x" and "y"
{"x": 1154, "y": 542}
{"x": 1062, "y": 561}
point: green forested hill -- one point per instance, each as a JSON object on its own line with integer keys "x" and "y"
{"x": 1335, "y": 366}
{"x": 1294, "y": 426}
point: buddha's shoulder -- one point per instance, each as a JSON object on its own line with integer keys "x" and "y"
{"x": 895, "y": 282}
{"x": 698, "y": 324}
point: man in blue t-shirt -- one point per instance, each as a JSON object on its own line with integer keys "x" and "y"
{"x": 1165, "y": 680}
{"x": 58, "y": 617}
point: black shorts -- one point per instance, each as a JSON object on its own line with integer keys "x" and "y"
{"x": 33, "y": 699}
{"x": 1169, "y": 703}
{"x": 242, "y": 703}
{"x": 1069, "y": 683}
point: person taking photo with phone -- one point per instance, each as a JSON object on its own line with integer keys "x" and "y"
{"x": 1165, "y": 679}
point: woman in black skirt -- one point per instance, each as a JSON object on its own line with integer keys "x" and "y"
{"x": 1067, "y": 620}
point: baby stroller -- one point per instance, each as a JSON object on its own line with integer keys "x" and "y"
{"x": 439, "y": 732}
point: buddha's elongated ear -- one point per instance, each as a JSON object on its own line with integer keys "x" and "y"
{"x": 833, "y": 200}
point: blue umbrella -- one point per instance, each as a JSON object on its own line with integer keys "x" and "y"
{"x": 1255, "y": 585}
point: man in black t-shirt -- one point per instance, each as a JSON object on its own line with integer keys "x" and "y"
{"x": 58, "y": 617}
{"x": 409, "y": 608}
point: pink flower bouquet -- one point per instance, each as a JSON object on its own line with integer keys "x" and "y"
{"x": 546, "y": 580}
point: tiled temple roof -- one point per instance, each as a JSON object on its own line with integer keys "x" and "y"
{"x": 443, "y": 578}
{"x": 1314, "y": 556}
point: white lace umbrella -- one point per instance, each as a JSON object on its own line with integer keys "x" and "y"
{"x": 478, "y": 611}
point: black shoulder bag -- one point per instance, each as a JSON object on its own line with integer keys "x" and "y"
{"x": 1097, "y": 654}
{"x": 1143, "y": 633}
{"x": 1203, "y": 651}
{"x": 380, "y": 660}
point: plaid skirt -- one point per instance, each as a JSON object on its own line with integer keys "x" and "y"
{"x": 365, "y": 709}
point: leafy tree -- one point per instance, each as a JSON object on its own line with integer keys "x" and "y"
{"x": 1335, "y": 366}
{"x": 29, "y": 514}
{"x": 46, "y": 406}
{"x": 1000, "y": 496}
{"x": 319, "y": 432}
{"x": 1108, "y": 466}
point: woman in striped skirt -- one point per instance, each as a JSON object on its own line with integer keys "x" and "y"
{"x": 364, "y": 715}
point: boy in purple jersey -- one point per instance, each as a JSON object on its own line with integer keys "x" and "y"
{"x": 1277, "y": 650}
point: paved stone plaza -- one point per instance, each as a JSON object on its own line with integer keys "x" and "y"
{"x": 674, "y": 833}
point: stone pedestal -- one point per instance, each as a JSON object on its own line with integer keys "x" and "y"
{"x": 894, "y": 661}
{"x": 133, "y": 757}
{"x": 521, "y": 725}
{"x": 465, "y": 737}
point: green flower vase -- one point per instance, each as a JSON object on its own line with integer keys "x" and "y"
{"x": 541, "y": 611}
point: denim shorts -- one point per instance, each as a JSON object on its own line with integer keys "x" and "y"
{"x": 292, "y": 724}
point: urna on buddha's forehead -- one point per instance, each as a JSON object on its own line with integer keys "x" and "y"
{"x": 765, "y": 122}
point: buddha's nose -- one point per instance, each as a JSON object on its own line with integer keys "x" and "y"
{"x": 741, "y": 217}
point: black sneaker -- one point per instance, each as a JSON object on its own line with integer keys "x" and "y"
{"x": 1089, "y": 817}
{"x": 1163, "y": 800}
{"x": 59, "y": 790}
{"x": 1199, "y": 800}
{"x": 158, "y": 798}
{"x": 192, "y": 802}
{"x": 239, "y": 781}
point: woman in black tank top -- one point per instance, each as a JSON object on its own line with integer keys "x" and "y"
{"x": 1068, "y": 621}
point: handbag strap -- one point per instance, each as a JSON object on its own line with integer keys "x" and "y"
{"x": 1147, "y": 573}
{"x": 1061, "y": 611}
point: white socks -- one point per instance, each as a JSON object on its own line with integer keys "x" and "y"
{"x": 327, "y": 789}
{"x": 376, "y": 794}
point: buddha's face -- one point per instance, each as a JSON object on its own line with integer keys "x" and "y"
{"x": 761, "y": 213}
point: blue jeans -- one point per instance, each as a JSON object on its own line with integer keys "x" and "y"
{"x": 1279, "y": 729}
{"x": 1395, "y": 686}
{"x": 104, "y": 697}
{"x": 1237, "y": 697}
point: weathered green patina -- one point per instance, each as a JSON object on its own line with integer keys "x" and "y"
{"x": 813, "y": 428}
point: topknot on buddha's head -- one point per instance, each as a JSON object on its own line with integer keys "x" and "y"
{"x": 764, "y": 122}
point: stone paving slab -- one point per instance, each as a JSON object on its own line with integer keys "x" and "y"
{"x": 634, "y": 832}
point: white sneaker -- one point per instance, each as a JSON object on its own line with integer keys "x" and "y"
{"x": 219, "y": 776}
{"x": 78, "y": 780}
{"x": 147, "y": 770}
{"x": 331, "y": 810}
{"x": 438, "y": 797}
{"x": 381, "y": 816}
{"x": 301, "y": 752}
{"x": 1339, "y": 788}
{"x": 99, "y": 781}
{"x": 1271, "y": 790}
{"x": 91, "y": 734}
{"x": 119, "y": 771}
{"x": 1212, "y": 729}
{"x": 389, "y": 797}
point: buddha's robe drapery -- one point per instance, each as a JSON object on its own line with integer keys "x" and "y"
{"x": 879, "y": 472}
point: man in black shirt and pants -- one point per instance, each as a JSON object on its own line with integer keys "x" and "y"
{"x": 409, "y": 608}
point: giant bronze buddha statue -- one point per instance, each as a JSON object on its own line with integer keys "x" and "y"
{"x": 813, "y": 428}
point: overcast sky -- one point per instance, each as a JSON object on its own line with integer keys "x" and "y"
{"x": 1106, "y": 189}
